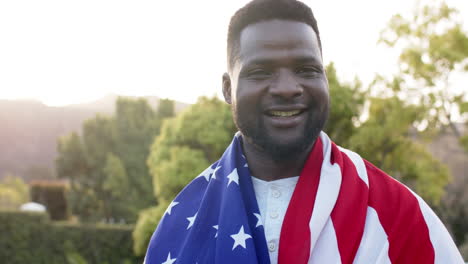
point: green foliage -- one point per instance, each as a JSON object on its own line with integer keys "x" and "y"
{"x": 434, "y": 46}
{"x": 53, "y": 196}
{"x": 464, "y": 142}
{"x": 347, "y": 102}
{"x": 32, "y": 238}
{"x": 166, "y": 108}
{"x": 107, "y": 164}
{"x": 188, "y": 144}
{"x": 173, "y": 174}
{"x": 148, "y": 219}
{"x": 23, "y": 237}
{"x": 13, "y": 192}
{"x": 385, "y": 139}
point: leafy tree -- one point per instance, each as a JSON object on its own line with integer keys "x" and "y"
{"x": 347, "y": 101}
{"x": 13, "y": 192}
{"x": 187, "y": 145}
{"x": 434, "y": 48}
{"x": 386, "y": 139}
{"x": 148, "y": 219}
{"x": 107, "y": 164}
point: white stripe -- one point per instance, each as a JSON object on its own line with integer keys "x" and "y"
{"x": 327, "y": 193}
{"x": 358, "y": 163}
{"x": 326, "y": 250}
{"x": 374, "y": 242}
{"x": 444, "y": 248}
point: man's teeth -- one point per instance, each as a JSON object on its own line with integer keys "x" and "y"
{"x": 284, "y": 113}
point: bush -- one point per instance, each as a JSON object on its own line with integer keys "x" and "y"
{"x": 33, "y": 238}
{"x": 53, "y": 196}
{"x": 13, "y": 192}
{"x": 148, "y": 219}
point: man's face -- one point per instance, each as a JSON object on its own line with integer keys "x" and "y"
{"x": 278, "y": 87}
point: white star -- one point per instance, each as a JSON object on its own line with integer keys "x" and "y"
{"x": 216, "y": 227}
{"x": 214, "y": 172}
{"x": 246, "y": 165}
{"x": 169, "y": 260}
{"x": 240, "y": 238}
{"x": 259, "y": 220}
{"x": 169, "y": 208}
{"x": 206, "y": 173}
{"x": 233, "y": 177}
{"x": 191, "y": 220}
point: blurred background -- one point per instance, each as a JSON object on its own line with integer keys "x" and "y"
{"x": 108, "y": 108}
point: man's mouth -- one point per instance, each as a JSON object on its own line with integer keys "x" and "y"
{"x": 284, "y": 113}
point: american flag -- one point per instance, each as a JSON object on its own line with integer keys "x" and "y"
{"x": 343, "y": 210}
{"x": 215, "y": 219}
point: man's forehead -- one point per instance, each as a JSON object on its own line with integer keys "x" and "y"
{"x": 278, "y": 36}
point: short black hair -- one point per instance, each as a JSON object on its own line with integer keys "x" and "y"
{"x": 262, "y": 10}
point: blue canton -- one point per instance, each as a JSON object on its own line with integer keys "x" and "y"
{"x": 215, "y": 219}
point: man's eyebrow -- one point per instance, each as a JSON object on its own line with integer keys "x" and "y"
{"x": 296, "y": 60}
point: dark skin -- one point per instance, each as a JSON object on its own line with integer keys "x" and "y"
{"x": 278, "y": 90}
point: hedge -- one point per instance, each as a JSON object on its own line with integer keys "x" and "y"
{"x": 33, "y": 238}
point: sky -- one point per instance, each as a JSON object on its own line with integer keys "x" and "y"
{"x": 65, "y": 52}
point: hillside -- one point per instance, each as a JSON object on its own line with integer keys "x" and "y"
{"x": 30, "y": 129}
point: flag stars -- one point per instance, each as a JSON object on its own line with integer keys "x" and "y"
{"x": 169, "y": 260}
{"x": 216, "y": 227}
{"x": 259, "y": 220}
{"x": 240, "y": 238}
{"x": 169, "y": 208}
{"x": 206, "y": 173}
{"x": 214, "y": 172}
{"x": 233, "y": 177}
{"x": 191, "y": 220}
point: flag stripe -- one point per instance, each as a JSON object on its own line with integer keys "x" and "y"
{"x": 374, "y": 242}
{"x": 440, "y": 237}
{"x": 401, "y": 218}
{"x": 349, "y": 214}
{"x": 295, "y": 234}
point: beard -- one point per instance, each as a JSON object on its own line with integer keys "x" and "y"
{"x": 254, "y": 131}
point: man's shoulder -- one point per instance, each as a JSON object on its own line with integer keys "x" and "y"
{"x": 394, "y": 202}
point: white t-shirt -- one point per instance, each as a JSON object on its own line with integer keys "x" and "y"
{"x": 273, "y": 199}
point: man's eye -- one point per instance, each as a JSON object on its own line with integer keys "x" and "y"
{"x": 258, "y": 74}
{"x": 308, "y": 72}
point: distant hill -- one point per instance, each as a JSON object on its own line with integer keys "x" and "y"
{"x": 29, "y": 129}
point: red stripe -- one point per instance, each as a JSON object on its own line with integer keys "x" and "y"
{"x": 401, "y": 218}
{"x": 349, "y": 214}
{"x": 294, "y": 244}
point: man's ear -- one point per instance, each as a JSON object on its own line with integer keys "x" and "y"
{"x": 227, "y": 88}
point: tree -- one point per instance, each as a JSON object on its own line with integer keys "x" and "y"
{"x": 107, "y": 164}
{"x": 13, "y": 192}
{"x": 187, "y": 145}
{"x": 386, "y": 140}
{"x": 347, "y": 102}
{"x": 434, "y": 48}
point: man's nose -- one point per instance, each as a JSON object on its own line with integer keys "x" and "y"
{"x": 285, "y": 85}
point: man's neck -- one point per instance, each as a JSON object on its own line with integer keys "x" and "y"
{"x": 263, "y": 166}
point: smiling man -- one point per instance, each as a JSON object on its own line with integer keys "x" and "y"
{"x": 283, "y": 192}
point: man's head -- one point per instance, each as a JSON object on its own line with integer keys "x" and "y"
{"x": 262, "y": 10}
{"x": 276, "y": 82}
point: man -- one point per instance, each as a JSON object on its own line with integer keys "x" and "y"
{"x": 283, "y": 192}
